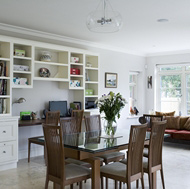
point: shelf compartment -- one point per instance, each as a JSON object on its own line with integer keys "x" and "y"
{"x": 26, "y": 48}
{"x": 57, "y": 56}
{"x": 79, "y": 55}
{"x": 4, "y": 106}
{"x": 23, "y": 75}
{"x": 4, "y": 68}
{"x": 73, "y": 85}
{"x": 94, "y": 87}
{"x": 77, "y": 67}
{"x": 93, "y": 60}
{"x": 91, "y": 76}
{"x": 60, "y": 72}
{"x": 23, "y": 62}
{"x": 4, "y": 50}
{"x": 51, "y": 63}
{"x": 4, "y": 87}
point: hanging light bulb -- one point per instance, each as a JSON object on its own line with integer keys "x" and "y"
{"x": 104, "y": 19}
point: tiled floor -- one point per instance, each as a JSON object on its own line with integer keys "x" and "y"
{"x": 176, "y": 158}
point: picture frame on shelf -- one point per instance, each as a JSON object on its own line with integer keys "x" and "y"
{"x": 110, "y": 80}
{"x": 77, "y": 105}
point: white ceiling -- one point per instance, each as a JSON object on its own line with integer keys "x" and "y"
{"x": 141, "y": 33}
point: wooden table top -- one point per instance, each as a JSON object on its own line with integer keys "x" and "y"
{"x": 24, "y": 123}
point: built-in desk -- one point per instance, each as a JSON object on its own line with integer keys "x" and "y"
{"x": 24, "y": 123}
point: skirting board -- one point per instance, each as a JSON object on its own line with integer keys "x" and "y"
{"x": 38, "y": 151}
{"x": 8, "y": 166}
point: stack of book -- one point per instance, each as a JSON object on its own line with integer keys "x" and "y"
{"x": 3, "y": 107}
{"x": 3, "y": 73}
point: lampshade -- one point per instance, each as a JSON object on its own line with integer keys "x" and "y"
{"x": 104, "y": 19}
{"x": 20, "y": 100}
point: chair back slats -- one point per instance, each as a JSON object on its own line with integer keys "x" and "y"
{"x": 53, "y": 117}
{"x": 79, "y": 115}
{"x": 92, "y": 123}
{"x": 148, "y": 118}
{"x": 135, "y": 150}
{"x": 156, "y": 142}
{"x": 55, "y": 150}
{"x": 69, "y": 125}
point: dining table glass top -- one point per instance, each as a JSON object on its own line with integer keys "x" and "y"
{"x": 96, "y": 141}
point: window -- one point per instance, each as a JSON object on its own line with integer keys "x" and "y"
{"x": 133, "y": 89}
{"x": 173, "y": 88}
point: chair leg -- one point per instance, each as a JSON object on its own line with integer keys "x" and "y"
{"x": 150, "y": 180}
{"x": 106, "y": 183}
{"x": 142, "y": 181}
{"x": 116, "y": 186}
{"x": 162, "y": 176}
{"x": 137, "y": 183}
{"x": 46, "y": 183}
{"x": 120, "y": 184}
{"x": 29, "y": 144}
{"x": 80, "y": 185}
{"x": 102, "y": 183}
{"x": 129, "y": 185}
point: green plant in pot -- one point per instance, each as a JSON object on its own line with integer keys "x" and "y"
{"x": 111, "y": 106}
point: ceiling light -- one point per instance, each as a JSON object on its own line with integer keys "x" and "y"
{"x": 104, "y": 19}
{"x": 162, "y": 20}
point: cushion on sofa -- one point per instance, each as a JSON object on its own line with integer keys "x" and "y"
{"x": 182, "y": 135}
{"x": 187, "y": 125}
{"x": 172, "y": 122}
{"x": 183, "y": 121}
{"x": 165, "y": 113}
{"x": 170, "y": 131}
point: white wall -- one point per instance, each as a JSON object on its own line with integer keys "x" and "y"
{"x": 37, "y": 98}
{"x": 151, "y": 64}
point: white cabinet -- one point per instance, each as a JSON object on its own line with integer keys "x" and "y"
{"x": 8, "y": 143}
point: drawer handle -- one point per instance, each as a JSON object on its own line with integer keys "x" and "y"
{"x": 4, "y": 131}
{"x": 4, "y": 152}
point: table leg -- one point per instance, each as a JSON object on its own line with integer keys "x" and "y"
{"x": 56, "y": 186}
{"x": 154, "y": 180}
{"x": 95, "y": 176}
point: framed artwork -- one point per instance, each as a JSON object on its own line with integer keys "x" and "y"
{"x": 111, "y": 80}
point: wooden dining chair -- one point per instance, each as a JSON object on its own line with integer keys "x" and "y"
{"x": 93, "y": 123}
{"x": 79, "y": 114}
{"x": 133, "y": 169}
{"x": 57, "y": 171}
{"x": 153, "y": 156}
{"x": 52, "y": 117}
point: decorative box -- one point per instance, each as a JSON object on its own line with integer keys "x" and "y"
{"x": 21, "y": 68}
{"x": 20, "y": 81}
{"x": 74, "y": 71}
{"x": 75, "y": 59}
{"x": 89, "y": 91}
{"x": 19, "y": 52}
{"x": 75, "y": 83}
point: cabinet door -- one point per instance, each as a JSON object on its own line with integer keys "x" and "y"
{"x": 8, "y": 151}
{"x": 8, "y": 130}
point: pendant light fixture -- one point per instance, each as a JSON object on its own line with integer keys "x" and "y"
{"x": 104, "y": 19}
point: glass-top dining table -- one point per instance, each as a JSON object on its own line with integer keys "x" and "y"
{"x": 87, "y": 146}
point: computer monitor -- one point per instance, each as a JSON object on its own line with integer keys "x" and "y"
{"x": 59, "y": 106}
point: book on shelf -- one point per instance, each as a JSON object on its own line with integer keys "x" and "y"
{"x": 3, "y": 68}
{"x": 3, "y": 87}
{"x": 3, "y": 107}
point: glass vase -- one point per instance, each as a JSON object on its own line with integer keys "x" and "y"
{"x": 110, "y": 128}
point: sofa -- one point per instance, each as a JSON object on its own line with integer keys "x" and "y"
{"x": 178, "y": 127}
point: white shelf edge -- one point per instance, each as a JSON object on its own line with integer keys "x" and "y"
{"x": 5, "y": 59}
{"x": 22, "y": 57}
{"x": 3, "y": 77}
{"x": 5, "y": 96}
{"x": 50, "y": 79}
{"x": 76, "y": 76}
{"x": 91, "y": 82}
{"x": 51, "y": 63}
{"x": 76, "y": 64}
{"x": 91, "y": 110}
{"x": 91, "y": 68}
{"x": 79, "y": 63}
{"x": 7, "y": 114}
{"x": 91, "y": 96}
{"x": 76, "y": 88}
{"x": 22, "y": 72}
{"x": 21, "y": 86}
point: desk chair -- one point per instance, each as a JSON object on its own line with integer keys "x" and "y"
{"x": 51, "y": 118}
{"x": 57, "y": 171}
{"x": 133, "y": 169}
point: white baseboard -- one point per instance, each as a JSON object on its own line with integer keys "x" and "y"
{"x": 38, "y": 151}
{"x": 8, "y": 166}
